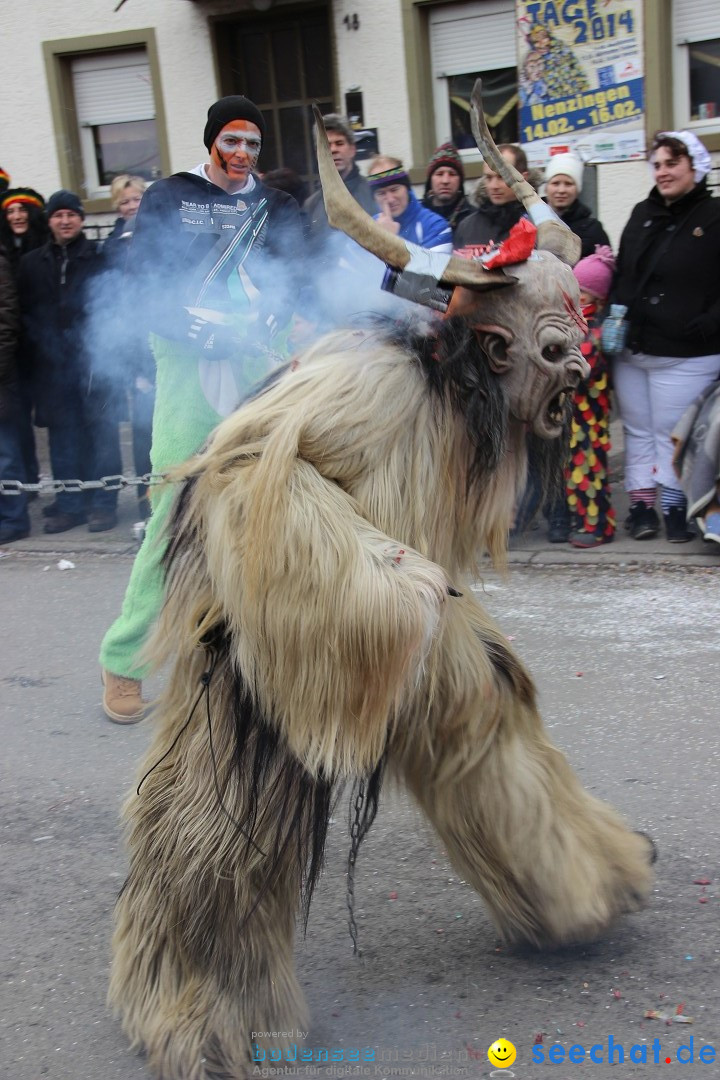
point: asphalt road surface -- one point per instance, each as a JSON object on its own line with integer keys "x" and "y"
{"x": 627, "y": 666}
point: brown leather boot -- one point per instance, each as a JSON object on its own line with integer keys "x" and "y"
{"x": 122, "y": 699}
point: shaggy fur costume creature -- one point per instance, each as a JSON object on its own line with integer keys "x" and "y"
{"x": 322, "y": 629}
{"x": 308, "y": 609}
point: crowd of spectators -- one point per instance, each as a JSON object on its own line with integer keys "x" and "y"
{"x": 75, "y": 359}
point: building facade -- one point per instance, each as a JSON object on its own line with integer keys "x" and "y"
{"x": 99, "y": 87}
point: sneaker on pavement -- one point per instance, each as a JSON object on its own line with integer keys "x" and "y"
{"x": 712, "y": 527}
{"x": 62, "y": 522}
{"x": 122, "y": 698}
{"x": 558, "y": 532}
{"x": 642, "y": 522}
{"x": 676, "y": 528}
{"x": 8, "y": 533}
{"x": 101, "y": 520}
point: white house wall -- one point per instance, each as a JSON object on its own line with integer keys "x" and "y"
{"x": 187, "y": 76}
{"x": 372, "y": 58}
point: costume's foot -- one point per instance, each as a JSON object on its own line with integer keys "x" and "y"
{"x": 122, "y": 699}
{"x": 583, "y": 539}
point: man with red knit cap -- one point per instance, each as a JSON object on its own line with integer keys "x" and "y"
{"x": 215, "y": 261}
{"x": 444, "y": 187}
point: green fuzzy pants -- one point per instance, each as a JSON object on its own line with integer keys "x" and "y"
{"x": 182, "y": 422}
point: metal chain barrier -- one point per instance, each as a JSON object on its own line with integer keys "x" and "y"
{"x": 105, "y": 483}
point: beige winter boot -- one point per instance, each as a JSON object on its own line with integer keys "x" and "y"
{"x": 122, "y": 698}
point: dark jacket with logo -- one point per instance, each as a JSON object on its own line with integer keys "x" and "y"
{"x": 190, "y": 238}
{"x": 490, "y": 224}
{"x": 578, "y": 218}
{"x": 668, "y": 275}
{"x": 54, "y": 286}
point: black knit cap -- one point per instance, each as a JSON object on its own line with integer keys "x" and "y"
{"x": 234, "y": 107}
{"x": 64, "y": 200}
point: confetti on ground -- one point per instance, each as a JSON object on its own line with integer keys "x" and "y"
{"x": 617, "y": 995}
{"x": 65, "y": 564}
{"x": 669, "y": 1018}
{"x": 702, "y": 881}
{"x": 393, "y": 896}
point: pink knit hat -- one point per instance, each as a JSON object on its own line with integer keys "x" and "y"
{"x": 595, "y": 272}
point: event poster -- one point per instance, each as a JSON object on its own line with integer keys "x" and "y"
{"x": 580, "y": 79}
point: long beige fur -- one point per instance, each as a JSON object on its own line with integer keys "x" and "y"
{"x": 319, "y": 534}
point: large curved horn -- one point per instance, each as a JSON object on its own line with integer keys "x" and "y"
{"x": 345, "y": 214}
{"x": 553, "y": 234}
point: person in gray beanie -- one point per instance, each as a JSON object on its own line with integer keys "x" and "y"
{"x": 64, "y": 200}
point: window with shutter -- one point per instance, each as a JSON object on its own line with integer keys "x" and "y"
{"x": 115, "y": 110}
{"x": 470, "y": 41}
{"x": 696, "y": 35}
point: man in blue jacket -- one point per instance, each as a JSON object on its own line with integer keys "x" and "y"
{"x": 400, "y": 211}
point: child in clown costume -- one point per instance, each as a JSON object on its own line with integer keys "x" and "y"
{"x": 587, "y": 479}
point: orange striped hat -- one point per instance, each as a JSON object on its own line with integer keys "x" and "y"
{"x": 4, "y": 179}
{"x": 23, "y": 195}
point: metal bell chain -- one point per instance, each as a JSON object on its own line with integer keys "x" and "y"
{"x": 105, "y": 483}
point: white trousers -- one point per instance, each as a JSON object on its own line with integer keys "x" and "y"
{"x": 652, "y": 393}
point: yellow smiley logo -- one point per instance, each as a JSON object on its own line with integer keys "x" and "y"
{"x": 502, "y": 1053}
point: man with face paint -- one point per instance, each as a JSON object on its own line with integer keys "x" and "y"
{"x": 215, "y": 264}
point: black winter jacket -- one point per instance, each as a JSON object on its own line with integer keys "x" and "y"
{"x": 578, "y": 218}
{"x": 54, "y": 291}
{"x": 490, "y": 224}
{"x": 190, "y": 236}
{"x": 9, "y": 330}
{"x": 676, "y": 310}
{"x": 453, "y": 212}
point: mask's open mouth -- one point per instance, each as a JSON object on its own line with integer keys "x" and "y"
{"x": 556, "y": 408}
{"x": 550, "y": 422}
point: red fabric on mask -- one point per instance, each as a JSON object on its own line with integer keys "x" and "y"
{"x": 517, "y": 247}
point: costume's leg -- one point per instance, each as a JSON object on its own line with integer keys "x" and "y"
{"x": 554, "y": 864}
{"x": 204, "y": 931}
{"x": 220, "y": 834}
{"x": 181, "y": 423}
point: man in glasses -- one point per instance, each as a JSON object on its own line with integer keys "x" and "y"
{"x": 215, "y": 261}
